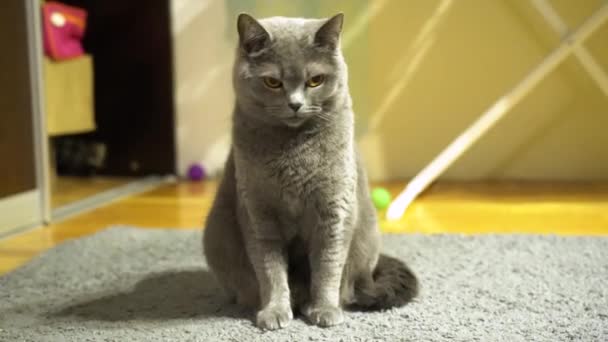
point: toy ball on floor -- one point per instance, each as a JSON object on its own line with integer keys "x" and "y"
{"x": 196, "y": 172}
{"x": 381, "y": 198}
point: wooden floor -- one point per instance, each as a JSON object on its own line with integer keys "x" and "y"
{"x": 564, "y": 208}
{"x": 67, "y": 190}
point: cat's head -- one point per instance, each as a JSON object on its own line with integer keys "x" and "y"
{"x": 289, "y": 70}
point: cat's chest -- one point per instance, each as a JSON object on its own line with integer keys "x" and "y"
{"x": 297, "y": 170}
{"x": 296, "y": 174}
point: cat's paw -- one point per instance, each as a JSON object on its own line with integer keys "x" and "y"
{"x": 324, "y": 316}
{"x": 274, "y": 317}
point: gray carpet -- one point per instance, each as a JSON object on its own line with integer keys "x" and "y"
{"x": 127, "y": 284}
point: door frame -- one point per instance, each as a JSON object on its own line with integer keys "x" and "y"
{"x": 41, "y": 150}
{"x": 31, "y": 208}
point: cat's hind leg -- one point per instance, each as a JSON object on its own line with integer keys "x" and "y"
{"x": 227, "y": 259}
{"x": 224, "y": 248}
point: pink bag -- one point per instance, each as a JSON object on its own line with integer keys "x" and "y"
{"x": 63, "y": 28}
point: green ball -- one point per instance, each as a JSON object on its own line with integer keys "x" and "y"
{"x": 381, "y": 198}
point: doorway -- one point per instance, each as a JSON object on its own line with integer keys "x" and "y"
{"x": 110, "y": 112}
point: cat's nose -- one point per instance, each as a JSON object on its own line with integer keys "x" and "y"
{"x": 295, "y": 106}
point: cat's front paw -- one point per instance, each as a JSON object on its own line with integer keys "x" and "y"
{"x": 324, "y": 316}
{"x": 274, "y": 317}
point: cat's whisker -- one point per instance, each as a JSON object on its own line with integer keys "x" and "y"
{"x": 274, "y": 107}
{"x": 316, "y": 112}
{"x": 324, "y": 117}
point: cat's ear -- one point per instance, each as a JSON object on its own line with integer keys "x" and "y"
{"x": 252, "y": 35}
{"x": 328, "y": 35}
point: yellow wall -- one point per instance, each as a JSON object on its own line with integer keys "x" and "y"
{"x": 421, "y": 71}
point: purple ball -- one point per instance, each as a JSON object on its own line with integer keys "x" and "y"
{"x": 196, "y": 172}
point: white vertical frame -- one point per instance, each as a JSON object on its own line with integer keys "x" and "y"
{"x": 34, "y": 25}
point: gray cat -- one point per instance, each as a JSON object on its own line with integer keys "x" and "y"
{"x": 292, "y": 226}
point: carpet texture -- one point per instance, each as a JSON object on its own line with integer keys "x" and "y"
{"x": 128, "y": 284}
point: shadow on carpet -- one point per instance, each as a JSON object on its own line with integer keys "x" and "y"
{"x": 129, "y": 284}
{"x": 167, "y": 296}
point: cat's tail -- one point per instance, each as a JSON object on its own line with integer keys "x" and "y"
{"x": 394, "y": 285}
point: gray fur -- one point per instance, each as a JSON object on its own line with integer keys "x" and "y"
{"x": 292, "y": 225}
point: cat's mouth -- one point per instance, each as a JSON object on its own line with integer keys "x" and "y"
{"x": 294, "y": 121}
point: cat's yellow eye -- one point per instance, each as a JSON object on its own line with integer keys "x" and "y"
{"x": 272, "y": 83}
{"x": 315, "y": 81}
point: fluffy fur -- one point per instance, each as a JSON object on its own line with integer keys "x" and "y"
{"x": 292, "y": 225}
